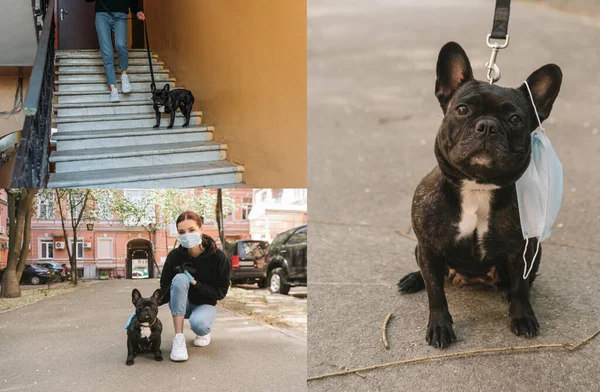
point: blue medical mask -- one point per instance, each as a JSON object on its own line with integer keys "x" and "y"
{"x": 189, "y": 240}
{"x": 539, "y": 190}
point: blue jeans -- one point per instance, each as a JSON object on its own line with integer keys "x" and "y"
{"x": 105, "y": 24}
{"x": 201, "y": 316}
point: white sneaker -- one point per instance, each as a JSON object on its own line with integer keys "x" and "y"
{"x": 114, "y": 95}
{"x": 179, "y": 350}
{"x": 125, "y": 85}
{"x": 202, "y": 341}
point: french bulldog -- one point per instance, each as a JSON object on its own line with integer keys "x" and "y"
{"x": 464, "y": 212}
{"x": 167, "y": 101}
{"x": 143, "y": 333}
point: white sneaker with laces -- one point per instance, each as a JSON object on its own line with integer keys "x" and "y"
{"x": 114, "y": 95}
{"x": 125, "y": 85}
{"x": 179, "y": 350}
{"x": 202, "y": 341}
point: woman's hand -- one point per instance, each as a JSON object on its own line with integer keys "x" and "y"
{"x": 140, "y": 15}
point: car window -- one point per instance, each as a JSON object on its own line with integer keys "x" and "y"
{"x": 254, "y": 249}
{"x": 299, "y": 237}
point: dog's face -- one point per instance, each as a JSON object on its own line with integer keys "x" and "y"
{"x": 160, "y": 97}
{"x": 486, "y": 132}
{"x": 146, "y": 309}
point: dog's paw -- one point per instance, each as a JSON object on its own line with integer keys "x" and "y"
{"x": 525, "y": 325}
{"x": 439, "y": 332}
{"x": 185, "y": 125}
{"x": 170, "y": 127}
{"x": 129, "y": 361}
{"x": 156, "y": 126}
{"x": 158, "y": 357}
{"x": 411, "y": 283}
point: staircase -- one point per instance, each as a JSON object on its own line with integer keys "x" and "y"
{"x": 113, "y": 145}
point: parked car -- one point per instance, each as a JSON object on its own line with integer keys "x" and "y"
{"x": 32, "y": 274}
{"x": 286, "y": 260}
{"x": 248, "y": 262}
{"x": 60, "y": 270}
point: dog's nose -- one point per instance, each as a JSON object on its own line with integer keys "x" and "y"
{"x": 486, "y": 127}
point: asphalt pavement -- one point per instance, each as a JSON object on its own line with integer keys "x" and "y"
{"x": 77, "y": 342}
{"x": 372, "y": 120}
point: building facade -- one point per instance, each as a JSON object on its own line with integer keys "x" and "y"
{"x": 110, "y": 248}
{"x": 275, "y": 211}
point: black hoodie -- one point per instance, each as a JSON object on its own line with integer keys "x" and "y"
{"x": 211, "y": 270}
{"x": 117, "y": 6}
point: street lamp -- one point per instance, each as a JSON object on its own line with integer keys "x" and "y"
{"x": 90, "y": 226}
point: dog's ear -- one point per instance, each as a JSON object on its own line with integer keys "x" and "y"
{"x": 167, "y": 87}
{"x": 135, "y": 296}
{"x": 545, "y": 85}
{"x": 156, "y": 295}
{"x": 152, "y": 87}
{"x": 453, "y": 69}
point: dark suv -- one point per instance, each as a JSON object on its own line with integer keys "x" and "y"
{"x": 286, "y": 260}
{"x": 247, "y": 262}
{"x": 60, "y": 270}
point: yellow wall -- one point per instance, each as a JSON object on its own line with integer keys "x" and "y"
{"x": 245, "y": 62}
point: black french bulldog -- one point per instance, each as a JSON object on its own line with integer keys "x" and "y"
{"x": 143, "y": 334}
{"x": 465, "y": 213}
{"x": 167, "y": 101}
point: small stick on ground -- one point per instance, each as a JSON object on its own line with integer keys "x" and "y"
{"x": 384, "y": 330}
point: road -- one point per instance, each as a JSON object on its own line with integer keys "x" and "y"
{"x": 77, "y": 341}
{"x": 372, "y": 120}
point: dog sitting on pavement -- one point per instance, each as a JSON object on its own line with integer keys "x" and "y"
{"x": 144, "y": 328}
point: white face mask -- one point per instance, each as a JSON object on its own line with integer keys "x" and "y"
{"x": 189, "y": 240}
{"x": 539, "y": 190}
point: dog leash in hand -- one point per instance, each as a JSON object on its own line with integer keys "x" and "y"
{"x": 500, "y": 35}
{"x": 146, "y": 36}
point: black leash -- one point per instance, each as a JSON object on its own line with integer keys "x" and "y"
{"x": 153, "y": 84}
{"x": 499, "y": 33}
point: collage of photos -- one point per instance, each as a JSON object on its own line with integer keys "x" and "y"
{"x": 158, "y": 159}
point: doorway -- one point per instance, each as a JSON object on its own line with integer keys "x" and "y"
{"x": 140, "y": 259}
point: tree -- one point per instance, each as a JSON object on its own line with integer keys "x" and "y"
{"x": 75, "y": 206}
{"x": 20, "y": 212}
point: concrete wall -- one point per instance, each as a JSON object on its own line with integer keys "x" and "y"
{"x": 8, "y": 86}
{"x": 245, "y": 62}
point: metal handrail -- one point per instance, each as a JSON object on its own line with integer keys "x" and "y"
{"x": 31, "y": 166}
{"x": 37, "y": 74}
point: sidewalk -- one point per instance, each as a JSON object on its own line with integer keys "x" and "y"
{"x": 77, "y": 341}
{"x": 372, "y": 120}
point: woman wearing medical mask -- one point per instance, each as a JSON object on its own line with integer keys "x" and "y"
{"x": 195, "y": 276}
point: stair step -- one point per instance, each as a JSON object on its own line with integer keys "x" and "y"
{"x": 106, "y": 108}
{"x": 68, "y": 54}
{"x": 111, "y": 138}
{"x": 91, "y": 77}
{"x": 99, "y": 69}
{"x": 138, "y": 85}
{"x": 120, "y": 121}
{"x": 137, "y": 156}
{"x": 65, "y": 97}
{"x": 191, "y": 175}
{"x": 91, "y": 61}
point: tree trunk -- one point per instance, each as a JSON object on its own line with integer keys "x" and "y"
{"x": 219, "y": 216}
{"x": 20, "y": 213}
{"x": 73, "y": 259}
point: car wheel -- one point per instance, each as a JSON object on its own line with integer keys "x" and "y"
{"x": 262, "y": 284}
{"x": 35, "y": 280}
{"x": 278, "y": 282}
{"x": 55, "y": 278}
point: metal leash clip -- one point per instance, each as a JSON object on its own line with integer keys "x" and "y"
{"x": 493, "y": 71}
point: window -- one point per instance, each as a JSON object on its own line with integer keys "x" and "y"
{"x": 46, "y": 249}
{"x": 278, "y": 195}
{"x": 46, "y": 206}
{"x": 246, "y": 207}
{"x": 299, "y": 237}
{"x": 105, "y": 249}
{"x": 79, "y": 248}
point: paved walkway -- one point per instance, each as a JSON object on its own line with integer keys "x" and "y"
{"x": 372, "y": 120}
{"x": 77, "y": 341}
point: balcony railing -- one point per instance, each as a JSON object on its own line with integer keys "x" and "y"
{"x": 31, "y": 167}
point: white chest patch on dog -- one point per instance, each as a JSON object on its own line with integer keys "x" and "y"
{"x": 475, "y": 203}
{"x": 145, "y": 330}
{"x": 161, "y": 108}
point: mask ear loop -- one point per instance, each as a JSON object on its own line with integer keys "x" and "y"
{"x": 526, "y": 271}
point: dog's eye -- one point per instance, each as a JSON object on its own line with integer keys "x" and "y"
{"x": 462, "y": 110}
{"x": 516, "y": 120}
